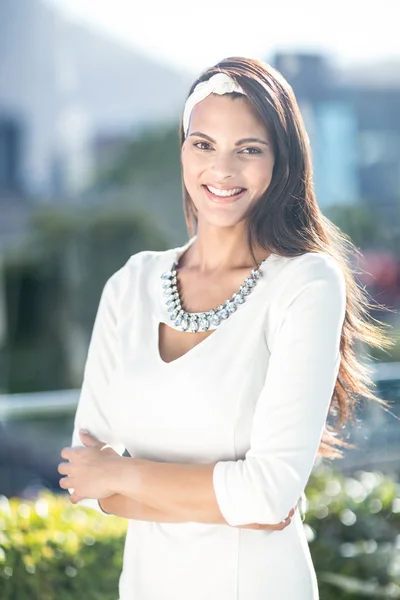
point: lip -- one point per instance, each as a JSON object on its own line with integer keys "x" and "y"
{"x": 223, "y": 200}
{"x": 218, "y": 187}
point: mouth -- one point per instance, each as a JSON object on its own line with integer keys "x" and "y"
{"x": 227, "y": 199}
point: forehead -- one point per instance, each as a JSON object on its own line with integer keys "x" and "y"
{"x": 218, "y": 112}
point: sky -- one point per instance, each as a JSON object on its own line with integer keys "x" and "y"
{"x": 194, "y": 34}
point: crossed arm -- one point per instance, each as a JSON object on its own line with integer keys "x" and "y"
{"x": 187, "y": 489}
{"x": 128, "y": 508}
{"x": 178, "y": 492}
{"x": 122, "y": 506}
{"x": 287, "y": 424}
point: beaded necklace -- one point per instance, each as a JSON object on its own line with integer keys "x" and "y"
{"x": 194, "y": 322}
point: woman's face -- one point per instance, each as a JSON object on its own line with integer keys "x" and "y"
{"x": 227, "y": 147}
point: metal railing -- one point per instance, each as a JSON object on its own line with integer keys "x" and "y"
{"x": 16, "y": 406}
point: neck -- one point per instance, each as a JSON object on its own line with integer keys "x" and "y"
{"x": 220, "y": 250}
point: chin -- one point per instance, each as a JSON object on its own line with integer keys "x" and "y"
{"x": 220, "y": 220}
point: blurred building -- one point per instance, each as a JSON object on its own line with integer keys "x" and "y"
{"x": 69, "y": 98}
{"x": 67, "y": 94}
{"x": 61, "y": 85}
{"x": 14, "y": 204}
{"x": 352, "y": 117}
{"x": 375, "y": 91}
{"x": 331, "y": 122}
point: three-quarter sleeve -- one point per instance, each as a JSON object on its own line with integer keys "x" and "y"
{"x": 95, "y": 404}
{"x": 292, "y": 408}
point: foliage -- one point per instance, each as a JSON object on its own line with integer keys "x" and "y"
{"x": 358, "y": 221}
{"x": 353, "y": 527}
{"x": 50, "y": 549}
{"x": 153, "y": 158}
{"x": 54, "y": 281}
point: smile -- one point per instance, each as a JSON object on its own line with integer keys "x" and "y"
{"x": 224, "y": 196}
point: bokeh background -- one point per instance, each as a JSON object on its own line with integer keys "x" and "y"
{"x": 91, "y": 92}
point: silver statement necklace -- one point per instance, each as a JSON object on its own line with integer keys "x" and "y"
{"x": 193, "y": 322}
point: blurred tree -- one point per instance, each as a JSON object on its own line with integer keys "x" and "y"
{"x": 147, "y": 174}
{"x": 151, "y": 158}
{"x": 53, "y": 287}
{"x": 351, "y": 525}
{"x": 360, "y": 224}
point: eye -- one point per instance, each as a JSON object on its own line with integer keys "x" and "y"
{"x": 257, "y": 150}
{"x": 196, "y": 144}
{"x": 254, "y": 150}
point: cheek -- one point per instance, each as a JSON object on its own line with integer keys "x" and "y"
{"x": 188, "y": 175}
{"x": 191, "y": 169}
{"x": 260, "y": 175}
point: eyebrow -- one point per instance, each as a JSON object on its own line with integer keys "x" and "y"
{"x": 238, "y": 143}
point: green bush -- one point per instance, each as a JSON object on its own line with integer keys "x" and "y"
{"x": 52, "y": 550}
{"x": 353, "y": 528}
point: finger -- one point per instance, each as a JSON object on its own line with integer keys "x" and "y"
{"x": 66, "y": 452}
{"x": 72, "y": 452}
{"x": 63, "y": 468}
{"x": 278, "y": 527}
{"x": 74, "y": 498}
{"x": 65, "y": 483}
{"x": 285, "y": 523}
{"x": 88, "y": 439}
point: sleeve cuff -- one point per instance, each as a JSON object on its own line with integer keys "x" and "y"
{"x": 240, "y": 498}
{"x": 220, "y": 490}
{"x": 238, "y": 501}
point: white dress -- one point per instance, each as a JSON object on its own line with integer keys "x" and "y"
{"x": 252, "y": 397}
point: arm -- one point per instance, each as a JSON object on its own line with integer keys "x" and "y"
{"x": 128, "y": 508}
{"x": 92, "y": 409}
{"x": 184, "y": 491}
{"x": 291, "y": 412}
{"x": 95, "y": 403}
{"x": 288, "y": 421}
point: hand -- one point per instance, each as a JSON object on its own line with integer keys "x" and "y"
{"x": 278, "y": 527}
{"x": 88, "y": 472}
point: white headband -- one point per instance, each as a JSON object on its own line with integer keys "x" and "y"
{"x": 220, "y": 83}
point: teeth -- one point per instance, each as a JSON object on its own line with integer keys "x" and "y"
{"x": 223, "y": 192}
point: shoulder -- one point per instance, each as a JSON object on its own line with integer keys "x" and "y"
{"x": 139, "y": 266}
{"x": 314, "y": 265}
{"x": 310, "y": 272}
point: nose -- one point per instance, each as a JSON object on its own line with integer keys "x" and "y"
{"x": 223, "y": 167}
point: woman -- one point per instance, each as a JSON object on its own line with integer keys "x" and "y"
{"x": 216, "y": 364}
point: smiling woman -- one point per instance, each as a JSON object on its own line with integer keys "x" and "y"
{"x": 233, "y": 170}
{"x": 217, "y": 363}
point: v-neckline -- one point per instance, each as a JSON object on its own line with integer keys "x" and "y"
{"x": 163, "y": 315}
{"x": 156, "y": 337}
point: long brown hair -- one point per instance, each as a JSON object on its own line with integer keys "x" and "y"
{"x": 287, "y": 221}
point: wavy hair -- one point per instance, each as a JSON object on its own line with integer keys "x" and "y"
{"x": 286, "y": 220}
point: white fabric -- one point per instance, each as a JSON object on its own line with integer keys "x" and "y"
{"x": 252, "y": 397}
{"x": 220, "y": 83}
